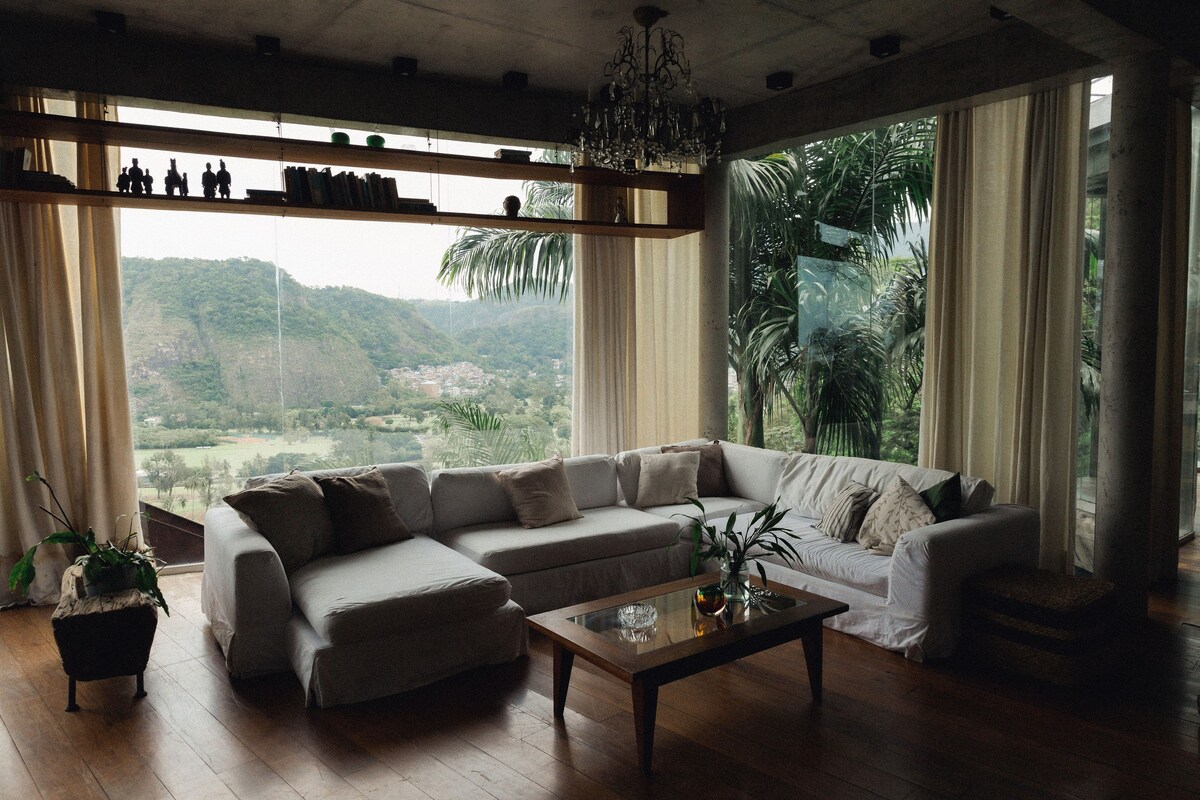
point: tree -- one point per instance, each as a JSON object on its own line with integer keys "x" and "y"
{"x": 164, "y": 470}
{"x": 478, "y": 437}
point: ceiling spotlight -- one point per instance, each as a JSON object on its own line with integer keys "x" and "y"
{"x": 110, "y": 21}
{"x": 266, "y": 45}
{"x": 884, "y": 46}
{"x": 779, "y": 81}
{"x": 405, "y": 66}
{"x": 1000, "y": 14}
{"x": 515, "y": 80}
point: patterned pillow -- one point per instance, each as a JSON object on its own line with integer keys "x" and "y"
{"x": 897, "y": 511}
{"x": 844, "y": 515}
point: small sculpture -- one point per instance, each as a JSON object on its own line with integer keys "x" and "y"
{"x": 135, "y": 178}
{"x": 183, "y": 186}
{"x": 619, "y": 217}
{"x": 208, "y": 181}
{"x": 148, "y": 181}
{"x": 223, "y": 181}
{"x": 172, "y": 181}
{"x": 123, "y": 181}
{"x": 512, "y": 204}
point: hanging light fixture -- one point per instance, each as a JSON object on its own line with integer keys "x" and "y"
{"x": 648, "y": 113}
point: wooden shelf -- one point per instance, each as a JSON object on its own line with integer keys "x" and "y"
{"x": 85, "y": 197}
{"x": 685, "y": 193}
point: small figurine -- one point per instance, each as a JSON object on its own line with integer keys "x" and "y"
{"x": 511, "y": 204}
{"x": 123, "y": 181}
{"x": 183, "y": 185}
{"x": 620, "y": 217}
{"x": 148, "y": 180}
{"x": 135, "y": 178}
{"x": 171, "y": 182}
{"x": 223, "y": 181}
{"x": 208, "y": 181}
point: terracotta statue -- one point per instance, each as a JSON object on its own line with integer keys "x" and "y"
{"x": 619, "y": 217}
{"x": 223, "y": 181}
{"x": 148, "y": 180}
{"x": 123, "y": 181}
{"x": 208, "y": 182}
{"x": 183, "y": 186}
{"x": 172, "y": 181}
{"x": 511, "y": 204}
{"x": 135, "y": 178}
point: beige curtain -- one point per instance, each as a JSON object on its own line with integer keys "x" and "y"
{"x": 637, "y": 330}
{"x": 1172, "y": 323}
{"x": 1002, "y": 332}
{"x": 63, "y": 401}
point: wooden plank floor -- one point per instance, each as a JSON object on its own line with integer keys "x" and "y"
{"x": 888, "y": 728}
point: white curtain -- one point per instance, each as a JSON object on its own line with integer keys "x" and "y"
{"x": 1000, "y": 395}
{"x": 637, "y": 330}
{"x": 64, "y": 408}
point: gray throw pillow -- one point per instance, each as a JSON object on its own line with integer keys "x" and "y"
{"x": 290, "y": 513}
{"x": 361, "y": 511}
{"x": 667, "y": 479}
{"x": 710, "y": 477}
{"x": 844, "y": 515}
{"x": 540, "y": 493}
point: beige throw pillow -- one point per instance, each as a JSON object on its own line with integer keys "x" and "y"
{"x": 290, "y": 513}
{"x": 540, "y": 493}
{"x": 897, "y": 511}
{"x": 710, "y": 477}
{"x": 667, "y": 479}
{"x": 844, "y": 515}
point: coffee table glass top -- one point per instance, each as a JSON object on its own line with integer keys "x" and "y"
{"x": 677, "y": 619}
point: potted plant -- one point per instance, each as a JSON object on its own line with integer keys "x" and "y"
{"x": 107, "y": 566}
{"x": 733, "y": 547}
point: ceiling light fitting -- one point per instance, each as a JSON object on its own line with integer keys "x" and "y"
{"x": 266, "y": 45}
{"x": 999, "y": 14}
{"x": 514, "y": 80}
{"x": 110, "y": 21}
{"x": 648, "y": 113}
{"x": 885, "y": 46}
{"x": 778, "y": 81}
{"x": 404, "y": 66}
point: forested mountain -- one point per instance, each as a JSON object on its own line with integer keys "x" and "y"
{"x": 202, "y": 340}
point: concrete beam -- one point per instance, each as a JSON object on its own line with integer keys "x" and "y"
{"x": 1013, "y": 60}
{"x": 44, "y": 54}
{"x": 714, "y": 305}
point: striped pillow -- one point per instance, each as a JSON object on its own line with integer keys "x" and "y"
{"x": 844, "y": 516}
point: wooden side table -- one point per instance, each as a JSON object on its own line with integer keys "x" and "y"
{"x": 102, "y": 637}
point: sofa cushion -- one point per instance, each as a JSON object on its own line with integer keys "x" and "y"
{"x": 629, "y": 468}
{"x": 753, "y": 472}
{"x": 386, "y": 590}
{"x": 897, "y": 511}
{"x": 472, "y": 496}
{"x": 809, "y": 482}
{"x": 361, "y": 511}
{"x": 710, "y": 477}
{"x": 290, "y": 513}
{"x": 539, "y": 493}
{"x": 714, "y": 508}
{"x": 407, "y": 482}
{"x": 667, "y": 478}
{"x": 846, "y": 563}
{"x": 844, "y": 516}
{"x": 944, "y": 499}
{"x": 509, "y": 549}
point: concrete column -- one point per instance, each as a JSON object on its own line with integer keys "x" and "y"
{"x": 714, "y": 305}
{"x": 1129, "y": 322}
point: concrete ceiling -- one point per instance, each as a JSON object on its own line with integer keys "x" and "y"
{"x": 561, "y": 44}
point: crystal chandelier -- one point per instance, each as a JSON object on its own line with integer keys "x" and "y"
{"x": 648, "y": 112}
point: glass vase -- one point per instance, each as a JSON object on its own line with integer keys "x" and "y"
{"x": 735, "y": 581}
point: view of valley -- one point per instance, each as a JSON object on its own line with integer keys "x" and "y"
{"x": 237, "y": 371}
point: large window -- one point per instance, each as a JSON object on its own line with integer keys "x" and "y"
{"x": 262, "y": 344}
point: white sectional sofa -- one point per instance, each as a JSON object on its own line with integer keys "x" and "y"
{"x": 394, "y": 617}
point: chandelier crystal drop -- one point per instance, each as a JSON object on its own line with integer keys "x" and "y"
{"x": 648, "y": 113}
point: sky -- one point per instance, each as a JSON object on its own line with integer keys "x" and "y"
{"x": 389, "y": 258}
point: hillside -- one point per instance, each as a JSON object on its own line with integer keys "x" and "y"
{"x": 522, "y": 335}
{"x": 201, "y": 340}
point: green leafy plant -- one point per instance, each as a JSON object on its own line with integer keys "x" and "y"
{"x": 103, "y": 563}
{"x": 762, "y": 535}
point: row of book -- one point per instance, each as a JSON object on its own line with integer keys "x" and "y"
{"x": 321, "y": 187}
{"x": 15, "y": 171}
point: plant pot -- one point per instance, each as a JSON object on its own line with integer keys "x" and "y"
{"x": 114, "y": 579}
{"x": 736, "y": 585}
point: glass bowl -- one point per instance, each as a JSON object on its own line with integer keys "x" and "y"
{"x": 637, "y": 615}
{"x": 710, "y": 599}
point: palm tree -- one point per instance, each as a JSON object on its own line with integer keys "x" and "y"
{"x": 478, "y": 437}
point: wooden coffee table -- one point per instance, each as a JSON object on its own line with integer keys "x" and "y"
{"x": 682, "y": 641}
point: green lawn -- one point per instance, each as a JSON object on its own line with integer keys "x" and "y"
{"x": 237, "y": 453}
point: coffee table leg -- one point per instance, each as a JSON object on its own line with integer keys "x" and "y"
{"x": 813, "y": 640}
{"x": 645, "y": 707}
{"x": 563, "y": 659}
